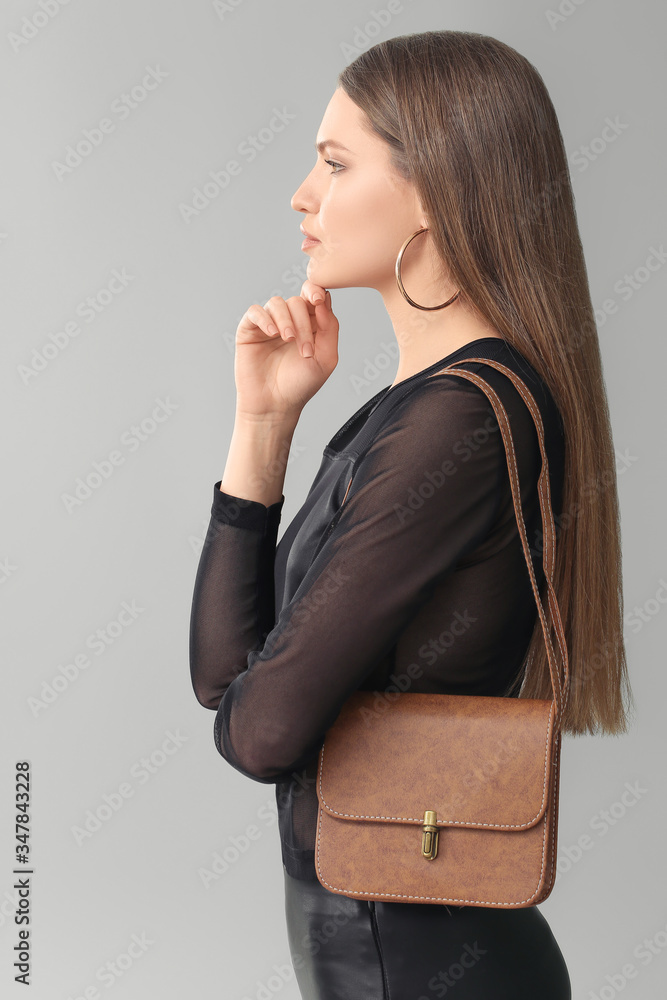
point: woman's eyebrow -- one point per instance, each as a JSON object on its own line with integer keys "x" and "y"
{"x": 319, "y": 146}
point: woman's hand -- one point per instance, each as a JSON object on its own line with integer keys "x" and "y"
{"x": 273, "y": 378}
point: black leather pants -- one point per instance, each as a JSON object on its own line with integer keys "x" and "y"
{"x": 344, "y": 948}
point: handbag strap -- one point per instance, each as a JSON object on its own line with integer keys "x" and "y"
{"x": 560, "y": 688}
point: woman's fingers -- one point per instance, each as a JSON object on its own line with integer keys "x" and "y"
{"x": 282, "y": 317}
{"x": 261, "y": 319}
{"x": 312, "y": 293}
{"x": 324, "y": 314}
{"x": 294, "y": 320}
{"x": 297, "y": 319}
{"x": 303, "y": 324}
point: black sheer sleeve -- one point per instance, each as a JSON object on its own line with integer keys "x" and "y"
{"x": 233, "y": 602}
{"x": 421, "y": 497}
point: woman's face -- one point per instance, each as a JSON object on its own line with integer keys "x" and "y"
{"x": 358, "y": 207}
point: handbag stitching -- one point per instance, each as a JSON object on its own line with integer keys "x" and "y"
{"x": 453, "y": 822}
{"x": 456, "y": 899}
{"x": 547, "y": 486}
{"x": 439, "y": 899}
{"x": 560, "y": 639}
{"x": 553, "y": 815}
{"x": 538, "y": 419}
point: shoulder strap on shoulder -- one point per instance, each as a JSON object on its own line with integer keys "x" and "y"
{"x": 560, "y": 686}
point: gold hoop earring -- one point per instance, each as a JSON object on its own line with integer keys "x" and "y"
{"x": 399, "y": 280}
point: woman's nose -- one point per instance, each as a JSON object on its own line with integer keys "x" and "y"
{"x": 303, "y": 199}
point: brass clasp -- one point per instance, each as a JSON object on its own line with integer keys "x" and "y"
{"x": 429, "y": 835}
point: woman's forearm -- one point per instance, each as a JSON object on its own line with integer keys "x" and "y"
{"x": 257, "y": 458}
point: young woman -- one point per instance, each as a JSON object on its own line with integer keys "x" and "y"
{"x": 441, "y": 181}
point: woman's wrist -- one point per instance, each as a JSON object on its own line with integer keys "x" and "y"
{"x": 257, "y": 458}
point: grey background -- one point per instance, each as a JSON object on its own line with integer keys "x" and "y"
{"x": 169, "y": 335}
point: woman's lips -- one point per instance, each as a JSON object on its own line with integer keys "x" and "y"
{"x": 309, "y": 242}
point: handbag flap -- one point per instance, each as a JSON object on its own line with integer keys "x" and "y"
{"x": 475, "y": 760}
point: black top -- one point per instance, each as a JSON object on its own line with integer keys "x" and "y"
{"x": 417, "y": 581}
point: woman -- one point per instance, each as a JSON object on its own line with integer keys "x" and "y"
{"x": 441, "y": 152}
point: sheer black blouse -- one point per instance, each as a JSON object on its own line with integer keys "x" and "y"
{"x": 403, "y": 569}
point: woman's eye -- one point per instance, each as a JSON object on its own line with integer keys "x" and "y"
{"x": 332, "y": 163}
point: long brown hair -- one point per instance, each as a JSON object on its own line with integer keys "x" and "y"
{"x": 470, "y": 122}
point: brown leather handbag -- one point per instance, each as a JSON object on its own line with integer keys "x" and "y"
{"x": 444, "y": 798}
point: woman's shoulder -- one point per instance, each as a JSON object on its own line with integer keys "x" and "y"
{"x": 454, "y": 392}
{"x": 444, "y": 411}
